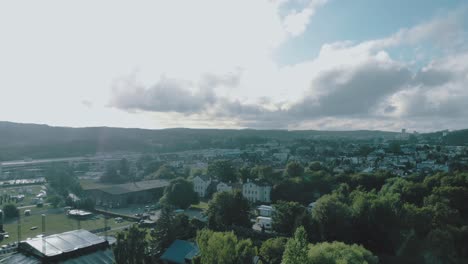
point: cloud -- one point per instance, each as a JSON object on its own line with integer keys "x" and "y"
{"x": 347, "y": 86}
{"x": 295, "y": 23}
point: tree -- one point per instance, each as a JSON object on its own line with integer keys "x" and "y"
{"x": 163, "y": 234}
{"x": 272, "y": 249}
{"x": 10, "y": 211}
{"x": 296, "y": 248}
{"x": 224, "y": 248}
{"x": 180, "y": 194}
{"x": 227, "y": 209}
{"x": 286, "y": 216}
{"x": 54, "y": 200}
{"x": 294, "y": 169}
{"x": 245, "y": 173}
{"x": 339, "y": 252}
{"x": 164, "y": 172}
{"x": 130, "y": 248}
{"x": 315, "y": 166}
{"x": 333, "y": 217}
{"x": 183, "y": 228}
{"x": 265, "y": 173}
{"x": 223, "y": 170}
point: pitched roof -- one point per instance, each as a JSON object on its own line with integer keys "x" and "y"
{"x": 179, "y": 251}
{"x": 132, "y": 187}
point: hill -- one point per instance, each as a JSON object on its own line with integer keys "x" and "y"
{"x": 18, "y": 141}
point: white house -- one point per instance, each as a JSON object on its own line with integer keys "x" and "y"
{"x": 223, "y": 187}
{"x": 265, "y": 210}
{"x": 201, "y": 184}
{"x": 256, "y": 191}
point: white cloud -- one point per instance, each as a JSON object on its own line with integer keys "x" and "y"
{"x": 209, "y": 64}
{"x": 296, "y": 21}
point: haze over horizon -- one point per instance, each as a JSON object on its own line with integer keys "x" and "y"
{"x": 284, "y": 64}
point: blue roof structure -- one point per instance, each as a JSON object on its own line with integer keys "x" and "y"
{"x": 180, "y": 251}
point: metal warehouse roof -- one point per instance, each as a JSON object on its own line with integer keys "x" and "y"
{"x": 132, "y": 187}
{"x": 97, "y": 257}
{"x": 60, "y": 244}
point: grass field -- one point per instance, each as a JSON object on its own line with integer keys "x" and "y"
{"x": 56, "y": 222}
{"x": 202, "y": 206}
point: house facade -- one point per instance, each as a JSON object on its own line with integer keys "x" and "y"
{"x": 256, "y": 191}
{"x": 201, "y": 184}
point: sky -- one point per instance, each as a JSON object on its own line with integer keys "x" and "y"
{"x": 262, "y": 64}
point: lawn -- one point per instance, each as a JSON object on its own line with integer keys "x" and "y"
{"x": 202, "y": 206}
{"x": 56, "y": 222}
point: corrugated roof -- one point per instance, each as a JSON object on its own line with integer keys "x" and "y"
{"x": 97, "y": 257}
{"x": 58, "y": 244}
{"x": 132, "y": 187}
{"x": 179, "y": 251}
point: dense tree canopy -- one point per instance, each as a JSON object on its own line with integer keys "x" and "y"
{"x": 338, "y": 252}
{"x": 130, "y": 248}
{"x": 224, "y": 248}
{"x": 294, "y": 169}
{"x": 227, "y": 209}
{"x": 223, "y": 170}
{"x": 272, "y": 250}
{"x": 287, "y": 216}
{"x": 180, "y": 194}
{"x": 10, "y": 211}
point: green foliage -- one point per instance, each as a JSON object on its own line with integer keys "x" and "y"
{"x": 10, "y": 211}
{"x": 130, "y": 248}
{"x": 164, "y": 172}
{"x": 294, "y": 169}
{"x": 296, "y": 248}
{"x": 272, "y": 250}
{"x": 287, "y": 216}
{"x": 224, "y": 248}
{"x": 62, "y": 180}
{"x": 333, "y": 218}
{"x": 338, "y": 252}
{"x": 163, "y": 234}
{"x": 54, "y": 200}
{"x": 223, "y": 170}
{"x": 227, "y": 209}
{"x": 180, "y": 194}
{"x": 265, "y": 173}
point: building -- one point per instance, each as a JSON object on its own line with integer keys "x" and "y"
{"x": 201, "y": 185}
{"x": 265, "y": 210}
{"x": 227, "y": 187}
{"x": 256, "y": 191}
{"x": 120, "y": 195}
{"x": 78, "y": 246}
{"x": 180, "y": 252}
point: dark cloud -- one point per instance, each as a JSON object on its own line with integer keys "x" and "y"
{"x": 434, "y": 77}
{"x": 365, "y": 87}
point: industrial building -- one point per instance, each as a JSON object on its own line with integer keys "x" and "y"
{"x": 78, "y": 246}
{"x": 120, "y": 195}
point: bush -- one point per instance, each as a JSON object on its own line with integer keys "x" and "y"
{"x": 10, "y": 211}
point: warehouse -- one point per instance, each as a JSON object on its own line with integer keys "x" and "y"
{"x": 120, "y": 195}
{"x": 78, "y": 246}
